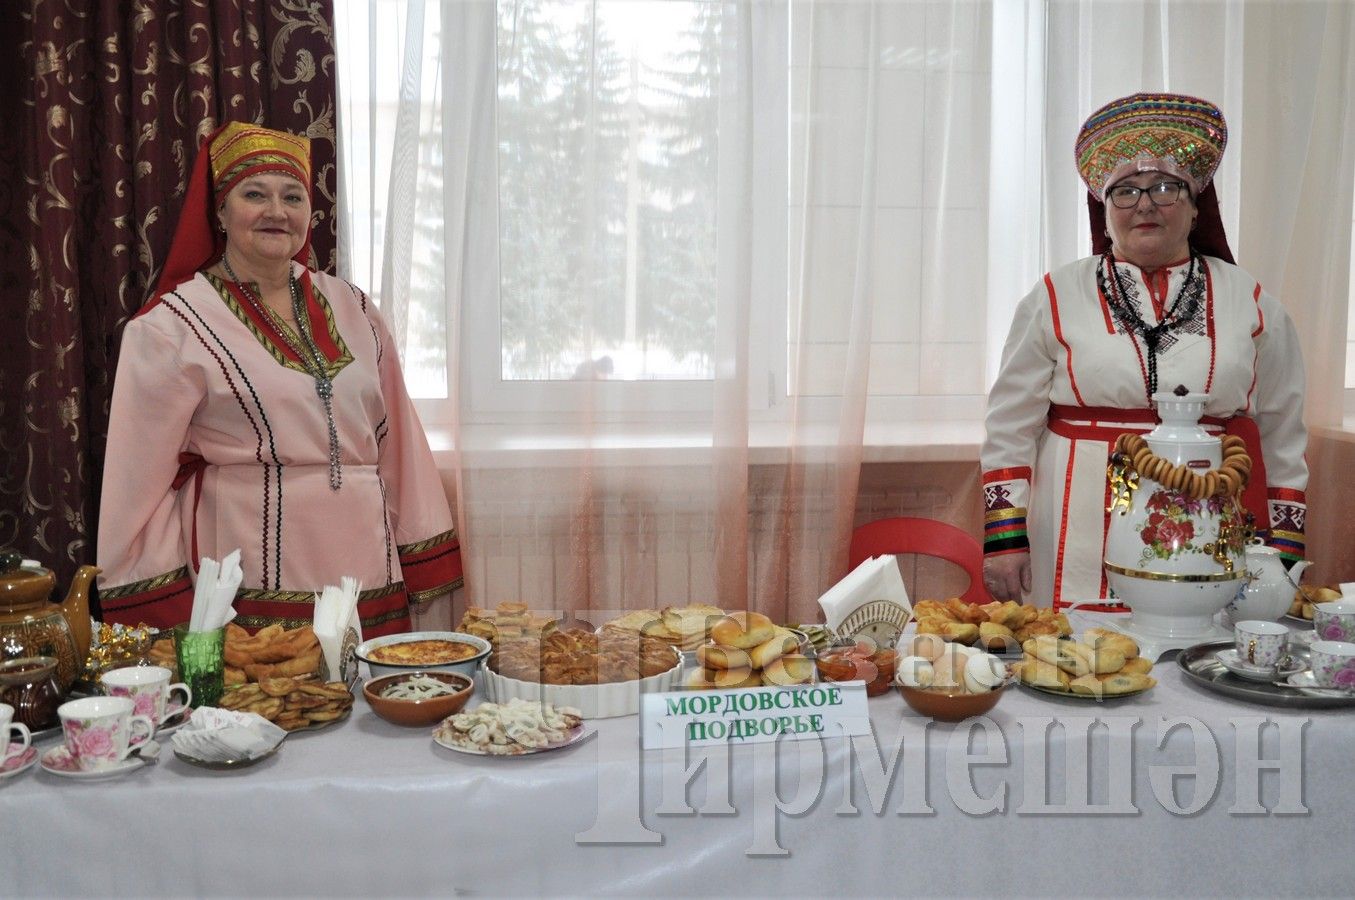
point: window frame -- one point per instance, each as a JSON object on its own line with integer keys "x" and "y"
{"x": 488, "y": 397}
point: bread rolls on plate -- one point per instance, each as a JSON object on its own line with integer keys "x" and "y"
{"x": 1055, "y": 652}
{"x": 1039, "y": 673}
{"x": 1112, "y": 684}
{"x": 1105, "y": 639}
{"x": 1104, "y": 664}
{"x": 1100, "y": 661}
{"x": 790, "y": 669}
{"x": 714, "y": 656}
{"x": 744, "y": 630}
{"x": 779, "y": 644}
{"x": 704, "y": 678}
{"x": 1139, "y": 665}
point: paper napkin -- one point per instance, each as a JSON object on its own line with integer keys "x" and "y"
{"x": 337, "y": 625}
{"x": 219, "y": 735}
{"x": 877, "y": 578}
{"x": 214, "y": 592}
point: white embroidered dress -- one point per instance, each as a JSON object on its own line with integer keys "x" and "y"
{"x": 1067, "y": 351}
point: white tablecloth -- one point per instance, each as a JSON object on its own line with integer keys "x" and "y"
{"x": 367, "y": 808}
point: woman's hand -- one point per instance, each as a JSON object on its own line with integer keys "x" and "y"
{"x": 1007, "y": 576}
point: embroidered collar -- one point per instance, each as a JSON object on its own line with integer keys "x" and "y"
{"x": 267, "y": 331}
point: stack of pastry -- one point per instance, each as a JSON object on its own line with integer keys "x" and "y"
{"x": 1104, "y": 663}
{"x": 271, "y": 652}
{"x": 573, "y": 656}
{"x": 507, "y": 620}
{"x": 995, "y": 626}
{"x": 747, "y": 650}
{"x": 683, "y": 627}
{"x": 291, "y": 702}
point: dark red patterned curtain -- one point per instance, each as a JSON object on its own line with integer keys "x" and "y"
{"x": 102, "y": 105}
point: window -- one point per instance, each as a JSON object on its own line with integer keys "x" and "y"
{"x": 591, "y": 215}
{"x": 608, "y": 118}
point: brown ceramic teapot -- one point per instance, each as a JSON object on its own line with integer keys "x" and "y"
{"x": 31, "y": 625}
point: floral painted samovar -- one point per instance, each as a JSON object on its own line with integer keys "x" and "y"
{"x": 1175, "y": 547}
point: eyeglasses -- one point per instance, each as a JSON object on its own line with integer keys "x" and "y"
{"x": 1164, "y": 193}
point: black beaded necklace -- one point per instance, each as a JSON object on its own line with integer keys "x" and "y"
{"x": 312, "y": 360}
{"x": 1182, "y": 309}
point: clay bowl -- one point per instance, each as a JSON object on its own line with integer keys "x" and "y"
{"x": 950, "y": 707}
{"x": 416, "y": 713}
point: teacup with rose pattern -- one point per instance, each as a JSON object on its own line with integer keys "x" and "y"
{"x": 149, "y": 689}
{"x": 1333, "y": 664}
{"x": 101, "y": 731}
{"x": 1335, "y": 621}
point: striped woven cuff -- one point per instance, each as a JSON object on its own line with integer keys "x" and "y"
{"x": 1004, "y": 510}
{"x": 1004, "y": 531}
{"x": 1288, "y": 513}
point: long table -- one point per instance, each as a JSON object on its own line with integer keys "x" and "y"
{"x": 1045, "y": 796}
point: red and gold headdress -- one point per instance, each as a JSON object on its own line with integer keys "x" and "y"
{"x": 241, "y": 149}
{"x": 229, "y": 154}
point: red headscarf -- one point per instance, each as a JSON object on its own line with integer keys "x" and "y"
{"x": 229, "y": 154}
{"x": 1207, "y": 237}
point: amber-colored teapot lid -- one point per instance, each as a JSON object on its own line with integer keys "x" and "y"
{"x": 21, "y": 585}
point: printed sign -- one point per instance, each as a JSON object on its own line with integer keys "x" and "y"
{"x": 747, "y": 715}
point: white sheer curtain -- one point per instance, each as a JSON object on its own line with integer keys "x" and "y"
{"x": 1283, "y": 73}
{"x": 663, "y": 270}
{"x": 820, "y": 167}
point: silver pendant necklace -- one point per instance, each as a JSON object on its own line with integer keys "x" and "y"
{"x": 312, "y": 360}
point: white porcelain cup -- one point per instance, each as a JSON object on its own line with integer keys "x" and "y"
{"x": 1334, "y": 621}
{"x": 101, "y": 731}
{"x": 1260, "y": 643}
{"x": 8, "y": 727}
{"x": 148, "y": 688}
{"x": 1333, "y": 664}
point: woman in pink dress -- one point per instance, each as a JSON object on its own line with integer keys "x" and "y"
{"x": 260, "y": 405}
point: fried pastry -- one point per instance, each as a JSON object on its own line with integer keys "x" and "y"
{"x": 1105, "y": 639}
{"x": 1056, "y": 652}
{"x": 964, "y": 623}
{"x": 994, "y": 636}
{"x": 574, "y": 656}
{"x": 1039, "y": 673}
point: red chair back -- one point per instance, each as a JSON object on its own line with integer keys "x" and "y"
{"x": 930, "y": 537}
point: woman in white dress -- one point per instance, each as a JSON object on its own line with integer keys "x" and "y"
{"x": 1160, "y": 305}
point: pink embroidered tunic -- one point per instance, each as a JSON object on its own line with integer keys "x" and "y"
{"x": 218, "y": 440}
{"x": 1073, "y": 377}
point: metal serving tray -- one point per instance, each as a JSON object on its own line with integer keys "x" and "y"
{"x": 1201, "y": 665}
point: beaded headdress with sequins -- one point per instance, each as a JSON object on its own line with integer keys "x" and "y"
{"x": 1173, "y": 133}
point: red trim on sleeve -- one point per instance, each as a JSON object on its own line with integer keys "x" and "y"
{"x": 1010, "y": 474}
{"x": 1288, "y": 495}
{"x": 433, "y": 567}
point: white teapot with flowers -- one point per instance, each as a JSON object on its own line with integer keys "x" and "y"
{"x": 1269, "y": 588}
